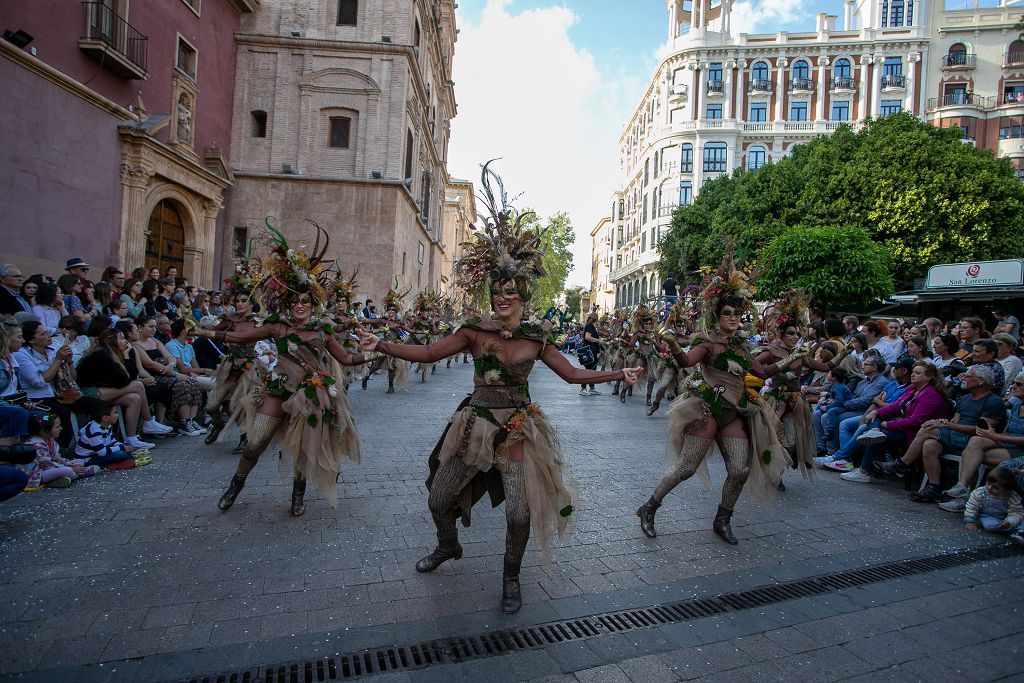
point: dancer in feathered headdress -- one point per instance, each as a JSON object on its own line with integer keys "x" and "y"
{"x": 641, "y": 349}
{"x": 498, "y": 441}
{"x": 716, "y": 407}
{"x": 675, "y": 331}
{"x": 299, "y": 403}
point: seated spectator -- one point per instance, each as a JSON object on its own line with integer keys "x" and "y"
{"x": 995, "y": 506}
{"x": 940, "y": 436}
{"x": 149, "y": 294}
{"x": 854, "y": 359}
{"x": 104, "y": 296}
{"x": 164, "y": 303}
{"x": 71, "y": 288}
{"x": 96, "y": 444}
{"x": 900, "y": 421}
{"x": 989, "y": 447}
{"x": 894, "y": 337}
{"x": 876, "y": 331}
{"x": 945, "y": 346}
{"x": 850, "y": 323}
{"x": 38, "y": 366}
{"x": 1006, "y": 323}
{"x": 837, "y": 398}
{"x": 69, "y": 333}
{"x": 186, "y": 394}
{"x": 209, "y": 352}
{"x": 200, "y": 307}
{"x": 103, "y": 374}
{"x": 157, "y": 393}
{"x": 984, "y": 354}
{"x": 11, "y": 299}
{"x": 917, "y": 350}
{"x": 182, "y": 303}
{"x": 821, "y": 381}
{"x": 132, "y": 297}
{"x": 13, "y": 418}
{"x": 153, "y": 274}
{"x": 933, "y": 327}
{"x": 49, "y": 468}
{"x": 49, "y": 308}
{"x": 1006, "y": 355}
{"x": 864, "y": 392}
{"x": 138, "y": 273}
{"x": 971, "y": 330}
{"x": 182, "y": 350}
{"x": 28, "y": 292}
{"x": 163, "y": 329}
{"x": 217, "y": 306}
{"x": 114, "y": 278}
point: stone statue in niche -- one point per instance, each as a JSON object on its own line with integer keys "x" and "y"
{"x": 184, "y": 119}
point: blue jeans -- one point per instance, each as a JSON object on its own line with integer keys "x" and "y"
{"x": 669, "y": 301}
{"x": 108, "y": 459}
{"x": 894, "y": 439}
{"x": 992, "y": 524}
{"x": 830, "y": 424}
{"x": 12, "y": 481}
{"x": 849, "y": 430}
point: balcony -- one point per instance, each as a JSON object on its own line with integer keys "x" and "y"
{"x": 955, "y": 61}
{"x": 1012, "y": 98}
{"x": 666, "y": 210}
{"x": 759, "y": 88}
{"x": 679, "y": 93}
{"x": 961, "y": 99}
{"x": 1013, "y": 58}
{"x": 716, "y": 88}
{"x": 801, "y": 86}
{"x": 893, "y": 82}
{"x": 842, "y": 85}
{"x": 114, "y": 41}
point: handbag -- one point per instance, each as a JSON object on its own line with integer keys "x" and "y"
{"x": 66, "y": 388}
{"x": 585, "y": 354}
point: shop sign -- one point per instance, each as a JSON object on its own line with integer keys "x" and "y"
{"x": 978, "y": 274}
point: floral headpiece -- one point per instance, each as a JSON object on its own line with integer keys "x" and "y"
{"x": 791, "y": 309}
{"x": 643, "y": 315}
{"x": 727, "y": 286}
{"x": 394, "y": 298}
{"x": 291, "y": 273}
{"x": 679, "y": 316}
{"x": 504, "y": 249}
{"x": 428, "y": 299}
{"x": 246, "y": 275}
{"x": 342, "y": 288}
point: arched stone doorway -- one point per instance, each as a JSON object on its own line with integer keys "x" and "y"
{"x": 165, "y": 238}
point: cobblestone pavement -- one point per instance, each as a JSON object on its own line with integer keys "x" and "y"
{"x": 137, "y": 575}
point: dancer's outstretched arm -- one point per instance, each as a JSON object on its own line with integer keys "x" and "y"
{"x": 573, "y": 375}
{"x": 420, "y": 353}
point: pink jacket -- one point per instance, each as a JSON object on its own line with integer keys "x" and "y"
{"x": 913, "y": 409}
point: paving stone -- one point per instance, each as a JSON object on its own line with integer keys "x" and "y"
{"x": 610, "y": 673}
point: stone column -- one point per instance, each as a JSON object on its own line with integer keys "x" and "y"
{"x": 822, "y": 90}
{"x": 863, "y": 87}
{"x": 908, "y": 97}
{"x": 673, "y": 19}
{"x": 741, "y": 91}
{"x": 876, "y": 87}
{"x": 700, "y": 96}
{"x": 135, "y": 179}
{"x": 780, "y": 89}
{"x": 727, "y": 109}
{"x": 201, "y": 258}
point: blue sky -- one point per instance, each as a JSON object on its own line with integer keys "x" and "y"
{"x": 547, "y": 85}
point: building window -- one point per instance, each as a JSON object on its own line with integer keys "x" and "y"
{"x": 348, "y": 11}
{"x": 841, "y": 68}
{"x": 759, "y": 71}
{"x": 643, "y": 242}
{"x": 891, "y": 107}
{"x": 341, "y": 128}
{"x": 897, "y": 13}
{"x": 715, "y": 72}
{"x": 756, "y": 157}
{"x": 408, "y": 155}
{"x": 1011, "y": 132}
{"x": 425, "y": 209}
{"x": 715, "y": 156}
{"x": 713, "y": 111}
{"x": 758, "y": 112}
{"x": 686, "y": 159}
{"x": 657, "y": 164}
{"x": 1015, "y": 52}
{"x": 194, "y": 5}
{"x": 416, "y": 33}
{"x": 647, "y": 171}
{"x": 1013, "y": 92}
{"x": 644, "y": 220}
{"x": 840, "y": 111}
{"x": 259, "y": 123}
{"x": 798, "y": 111}
{"x": 800, "y": 69}
{"x": 420, "y": 251}
{"x": 239, "y": 242}
{"x": 186, "y": 59}
{"x": 404, "y": 254}
{"x": 893, "y": 66}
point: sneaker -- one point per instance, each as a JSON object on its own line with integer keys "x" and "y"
{"x": 188, "y": 428}
{"x": 595, "y": 392}
{"x": 197, "y": 426}
{"x": 932, "y": 493}
{"x": 1017, "y": 537}
{"x": 955, "y": 505}
{"x": 584, "y": 391}
{"x": 136, "y": 442}
{"x": 872, "y": 436}
{"x": 856, "y": 476}
{"x": 154, "y": 427}
{"x": 839, "y": 466}
{"x": 61, "y": 483}
{"x": 958, "y": 491}
{"x": 823, "y": 460}
{"x": 896, "y": 467}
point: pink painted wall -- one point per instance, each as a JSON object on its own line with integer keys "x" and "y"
{"x": 56, "y": 26}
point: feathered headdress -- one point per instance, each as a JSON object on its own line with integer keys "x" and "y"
{"x": 504, "y": 249}
{"x": 791, "y": 309}
{"x": 643, "y": 315}
{"x": 428, "y": 299}
{"x": 679, "y": 316}
{"x": 727, "y": 286}
{"x": 291, "y": 273}
{"x": 246, "y": 275}
{"x": 342, "y": 288}
{"x": 394, "y": 298}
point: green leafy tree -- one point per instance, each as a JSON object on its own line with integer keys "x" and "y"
{"x": 573, "y": 297}
{"x": 915, "y": 189}
{"x": 831, "y": 264}
{"x": 556, "y": 244}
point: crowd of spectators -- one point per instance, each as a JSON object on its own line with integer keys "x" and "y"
{"x": 94, "y": 374}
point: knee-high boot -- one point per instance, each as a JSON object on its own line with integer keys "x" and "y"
{"x": 736, "y": 452}
{"x": 448, "y": 548}
{"x": 257, "y": 439}
{"x": 298, "y": 497}
{"x": 694, "y": 450}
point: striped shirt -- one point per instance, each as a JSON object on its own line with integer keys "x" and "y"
{"x": 94, "y": 440}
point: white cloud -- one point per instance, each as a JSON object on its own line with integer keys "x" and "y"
{"x": 528, "y": 94}
{"x": 749, "y": 16}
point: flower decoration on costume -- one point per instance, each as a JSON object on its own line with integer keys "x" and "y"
{"x": 394, "y": 298}
{"x": 291, "y": 273}
{"x": 727, "y": 286}
{"x": 428, "y": 299}
{"x": 791, "y": 309}
{"x": 504, "y": 249}
{"x": 246, "y": 275}
{"x": 679, "y": 317}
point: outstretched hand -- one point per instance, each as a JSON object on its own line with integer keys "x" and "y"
{"x": 631, "y": 375}
{"x": 367, "y": 340}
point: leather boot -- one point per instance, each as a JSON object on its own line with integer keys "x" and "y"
{"x": 447, "y": 549}
{"x": 646, "y": 514}
{"x": 622, "y": 395}
{"x": 511, "y": 597}
{"x": 654, "y": 408}
{"x": 723, "y": 525}
{"x": 240, "y": 448}
{"x": 366, "y": 378}
{"x": 298, "y": 497}
{"x": 234, "y": 488}
{"x": 215, "y": 429}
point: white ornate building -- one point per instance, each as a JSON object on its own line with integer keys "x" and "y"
{"x": 721, "y": 101}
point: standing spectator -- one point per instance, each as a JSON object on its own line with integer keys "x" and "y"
{"x": 971, "y": 330}
{"x": 1006, "y": 355}
{"x": 77, "y": 266}
{"x": 945, "y": 346}
{"x": 670, "y": 288}
{"x": 996, "y": 506}
{"x": 49, "y": 308}
{"x": 11, "y": 300}
{"x": 115, "y": 278}
{"x": 181, "y": 348}
{"x": 1007, "y": 324}
{"x": 164, "y": 303}
{"x": 591, "y": 338}
{"x": 69, "y": 333}
{"x": 132, "y": 295}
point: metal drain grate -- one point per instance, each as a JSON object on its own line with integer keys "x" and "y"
{"x": 463, "y": 648}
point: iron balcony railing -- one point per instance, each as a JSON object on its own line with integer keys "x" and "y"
{"x": 842, "y": 83}
{"x": 103, "y": 24}
{"x": 894, "y": 81}
{"x": 716, "y": 86}
{"x": 1012, "y": 98}
{"x": 759, "y": 85}
{"x": 961, "y": 99}
{"x": 959, "y": 59}
{"x": 800, "y": 84}
{"x": 1016, "y": 57}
